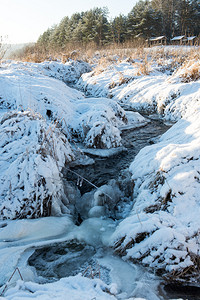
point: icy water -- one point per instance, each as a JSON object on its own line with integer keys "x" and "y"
{"x": 133, "y": 140}
{"x": 70, "y": 258}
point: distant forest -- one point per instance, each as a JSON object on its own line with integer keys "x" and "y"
{"x": 146, "y": 19}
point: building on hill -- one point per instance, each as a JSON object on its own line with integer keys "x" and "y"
{"x": 154, "y": 41}
{"x": 192, "y": 40}
{"x": 184, "y": 40}
{"x": 179, "y": 40}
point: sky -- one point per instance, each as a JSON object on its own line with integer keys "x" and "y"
{"x": 22, "y": 21}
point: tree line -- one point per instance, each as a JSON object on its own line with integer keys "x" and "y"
{"x": 146, "y": 19}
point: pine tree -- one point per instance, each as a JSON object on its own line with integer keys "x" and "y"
{"x": 144, "y": 20}
{"x": 168, "y": 10}
{"x": 119, "y": 29}
{"x": 95, "y": 26}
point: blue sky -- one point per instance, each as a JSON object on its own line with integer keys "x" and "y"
{"x": 24, "y": 20}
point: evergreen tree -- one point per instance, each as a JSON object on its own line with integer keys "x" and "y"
{"x": 144, "y": 20}
{"x": 44, "y": 40}
{"x": 195, "y": 17}
{"x": 95, "y": 26}
{"x": 62, "y": 30}
{"x": 73, "y": 23}
{"x": 119, "y": 29}
{"x": 169, "y": 11}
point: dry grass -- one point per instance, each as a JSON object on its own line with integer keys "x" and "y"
{"x": 143, "y": 67}
{"x": 136, "y": 52}
{"x": 185, "y": 275}
{"x": 190, "y": 71}
{"x": 103, "y": 63}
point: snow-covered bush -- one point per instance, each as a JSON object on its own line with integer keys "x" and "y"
{"x": 162, "y": 230}
{"x": 98, "y": 121}
{"x": 32, "y": 155}
{"x": 102, "y": 136}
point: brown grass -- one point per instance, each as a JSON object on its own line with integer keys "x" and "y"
{"x": 191, "y": 71}
{"x": 185, "y": 275}
{"x": 135, "y": 51}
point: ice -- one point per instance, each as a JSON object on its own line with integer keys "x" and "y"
{"x": 26, "y": 235}
{"x": 99, "y": 201}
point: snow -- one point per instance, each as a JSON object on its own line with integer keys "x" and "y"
{"x": 158, "y": 231}
{"x": 178, "y": 38}
{"x": 24, "y": 89}
{"x": 76, "y": 288}
{"x": 103, "y": 80}
{"x": 69, "y": 72}
{"x": 23, "y": 236}
{"x": 27, "y": 86}
{"x": 162, "y": 229}
{"x": 173, "y": 96}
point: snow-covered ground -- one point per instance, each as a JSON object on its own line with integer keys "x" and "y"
{"x": 162, "y": 230}
{"x": 43, "y": 117}
{"x": 172, "y": 96}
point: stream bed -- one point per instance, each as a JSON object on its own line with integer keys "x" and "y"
{"x": 133, "y": 140}
{"x": 56, "y": 247}
{"x": 88, "y": 251}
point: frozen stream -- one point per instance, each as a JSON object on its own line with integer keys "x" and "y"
{"x": 48, "y": 249}
{"x": 133, "y": 140}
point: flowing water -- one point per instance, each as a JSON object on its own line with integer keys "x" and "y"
{"x": 109, "y": 168}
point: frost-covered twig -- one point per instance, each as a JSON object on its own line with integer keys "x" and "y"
{"x": 83, "y": 178}
{"x": 6, "y": 285}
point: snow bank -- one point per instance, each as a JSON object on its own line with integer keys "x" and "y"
{"x": 32, "y": 156}
{"x": 102, "y": 80}
{"x": 190, "y": 71}
{"x": 162, "y": 230}
{"x": 23, "y": 88}
{"x": 69, "y": 72}
{"x": 76, "y": 288}
{"x": 95, "y": 122}
{"x": 172, "y": 96}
